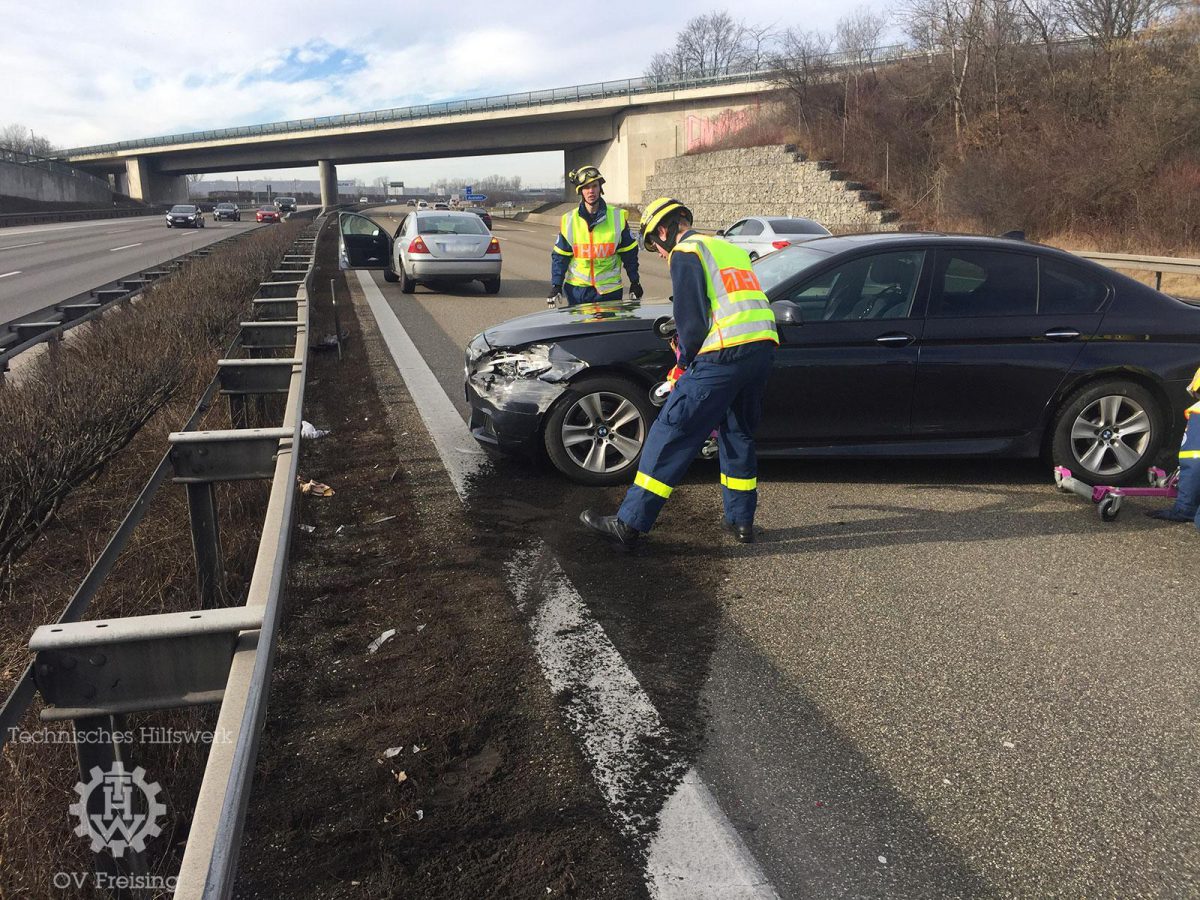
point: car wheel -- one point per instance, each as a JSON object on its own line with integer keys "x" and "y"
{"x": 596, "y": 430}
{"x": 1108, "y": 432}
{"x": 389, "y": 275}
{"x": 407, "y": 285}
{"x": 491, "y": 285}
{"x": 168, "y": 224}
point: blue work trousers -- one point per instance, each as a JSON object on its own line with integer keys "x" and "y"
{"x": 1187, "y": 504}
{"x": 577, "y": 295}
{"x": 724, "y": 393}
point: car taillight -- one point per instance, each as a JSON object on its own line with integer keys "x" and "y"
{"x": 779, "y": 245}
{"x": 417, "y": 245}
{"x": 494, "y": 246}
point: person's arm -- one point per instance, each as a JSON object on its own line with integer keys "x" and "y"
{"x": 692, "y": 309}
{"x": 627, "y": 246}
{"x": 560, "y": 259}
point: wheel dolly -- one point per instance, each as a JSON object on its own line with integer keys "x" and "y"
{"x": 1108, "y": 498}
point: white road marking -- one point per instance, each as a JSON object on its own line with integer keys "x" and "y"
{"x": 10, "y": 274}
{"x": 126, "y": 247}
{"x": 40, "y": 229}
{"x": 695, "y": 852}
{"x": 19, "y": 246}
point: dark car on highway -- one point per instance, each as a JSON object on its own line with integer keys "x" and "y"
{"x": 227, "y": 211}
{"x": 483, "y": 214}
{"x": 185, "y": 215}
{"x": 892, "y": 345}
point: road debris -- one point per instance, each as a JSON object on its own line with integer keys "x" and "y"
{"x": 316, "y": 488}
{"x": 310, "y": 431}
{"x": 392, "y": 751}
{"x": 381, "y": 640}
{"x": 308, "y": 529}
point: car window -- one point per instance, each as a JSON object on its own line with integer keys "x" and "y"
{"x": 753, "y": 227}
{"x": 776, "y": 269}
{"x": 735, "y": 229}
{"x": 182, "y": 209}
{"x": 450, "y": 225}
{"x": 984, "y": 283}
{"x": 797, "y": 226}
{"x": 358, "y": 225}
{"x": 1064, "y": 289}
{"x": 881, "y": 286}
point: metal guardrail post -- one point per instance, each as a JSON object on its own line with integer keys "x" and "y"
{"x": 206, "y": 544}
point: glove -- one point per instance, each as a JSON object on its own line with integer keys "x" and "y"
{"x": 635, "y": 290}
{"x": 555, "y": 296}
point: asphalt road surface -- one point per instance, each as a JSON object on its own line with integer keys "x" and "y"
{"x": 927, "y": 679}
{"x": 45, "y": 264}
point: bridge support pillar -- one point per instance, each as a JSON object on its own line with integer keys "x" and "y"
{"x": 327, "y": 173}
{"x": 143, "y": 183}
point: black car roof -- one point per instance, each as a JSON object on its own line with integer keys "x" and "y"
{"x": 838, "y": 243}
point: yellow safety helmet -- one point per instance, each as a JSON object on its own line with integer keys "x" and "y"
{"x": 1194, "y": 387}
{"x": 583, "y": 176}
{"x": 653, "y": 215}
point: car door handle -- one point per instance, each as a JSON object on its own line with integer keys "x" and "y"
{"x": 895, "y": 339}
{"x": 1062, "y": 334}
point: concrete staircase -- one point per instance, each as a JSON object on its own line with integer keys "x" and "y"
{"x": 725, "y": 185}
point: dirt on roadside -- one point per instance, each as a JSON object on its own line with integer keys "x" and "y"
{"x": 436, "y": 766}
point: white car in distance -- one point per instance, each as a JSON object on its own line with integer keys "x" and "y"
{"x": 760, "y": 235}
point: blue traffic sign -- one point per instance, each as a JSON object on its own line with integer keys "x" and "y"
{"x": 475, "y": 198}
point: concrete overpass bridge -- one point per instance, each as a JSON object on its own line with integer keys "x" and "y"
{"x": 621, "y": 126}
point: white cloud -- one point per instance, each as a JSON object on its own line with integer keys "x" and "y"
{"x": 82, "y": 73}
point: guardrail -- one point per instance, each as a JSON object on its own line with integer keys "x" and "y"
{"x": 217, "y": 654}
{"x": 8, "y": 220}
{"x": 1156, "y": 264}
{"x": 49, "y": 324}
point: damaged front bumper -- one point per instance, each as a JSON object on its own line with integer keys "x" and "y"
{"x": 510, "y": 390}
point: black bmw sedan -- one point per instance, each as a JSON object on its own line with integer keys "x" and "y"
{"x": 891, "y": 345}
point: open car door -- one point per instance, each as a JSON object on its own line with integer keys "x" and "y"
{"x": 362, "y": 242}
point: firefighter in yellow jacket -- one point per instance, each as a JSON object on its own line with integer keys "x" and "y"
{"x": 593, "y": 243}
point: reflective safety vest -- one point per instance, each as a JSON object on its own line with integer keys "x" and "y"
{"x": 741, "y": 313}
{"x": 594, "y": 259}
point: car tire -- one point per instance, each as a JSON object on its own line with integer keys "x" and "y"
{"x": 169, "y": 225}
{"x": 615, "y": 397}
{"x": 407, "y": 285}
{"x": 491, "y": 285}
{"x": 1086, "y": 441}
{"x": 389, "y": 275}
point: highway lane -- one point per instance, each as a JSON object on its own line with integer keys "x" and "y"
{"x": 927, "y": 679}
{"x": 44, "y": 264}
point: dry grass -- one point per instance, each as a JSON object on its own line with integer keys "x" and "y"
{"x": 77, "y": 445}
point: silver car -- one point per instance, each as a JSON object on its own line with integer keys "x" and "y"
{"x": 760, "y": 235}
{"x": 431, "y": 247}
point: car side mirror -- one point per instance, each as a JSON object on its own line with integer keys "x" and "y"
{"x": 787, "y": 313}
{"x": 720, "y": 232}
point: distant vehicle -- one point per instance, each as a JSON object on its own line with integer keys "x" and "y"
{"x": 363, "y": 200}
{"x": 227, "y": 211}
{"x": 185, "y": 215}
{"x": 267, "y": 214}
{"x": 412, "y": 203}
{"x": 432, "y": 247}
{"x": 760, "y": 235}
{"x": 482, "y": 213}
{"x": 441, "y": 205}
{"x": 422, "y": 205}
{"x": 285, "y": 204}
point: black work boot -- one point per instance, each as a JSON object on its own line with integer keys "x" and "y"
{"x": 621, "y": 535}
{"x": 743, "y": 532}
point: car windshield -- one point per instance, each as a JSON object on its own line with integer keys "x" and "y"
{"x": 797, "y": 226}
{"x": 183, "y": 208}
{"x": 776, "y": 268}
{"x": 287, "y": 199}
{"x": 266, "y": 209}
{"x": 224, "y": 206}
{"x": 450, "y": 225}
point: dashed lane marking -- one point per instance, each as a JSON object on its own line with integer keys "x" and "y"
{"x": 19, "y": 246}
{"x": 693, "y": 850}
{"x": 10, "y": 274}
{"x": 125, "y": 247}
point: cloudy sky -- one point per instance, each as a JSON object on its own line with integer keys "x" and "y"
{"x": 85, "y": 72}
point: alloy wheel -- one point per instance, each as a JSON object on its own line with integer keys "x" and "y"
{"x": 1111, "y": 434}
{"x": 603, "y": 432}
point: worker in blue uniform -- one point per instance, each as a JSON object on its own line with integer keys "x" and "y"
{"x": 593, "y": 243}
{"x": 1187, "y": 502}
{"x": 727, "y": 338}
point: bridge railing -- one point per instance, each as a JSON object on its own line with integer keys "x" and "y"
{"x": 595, "y": 91}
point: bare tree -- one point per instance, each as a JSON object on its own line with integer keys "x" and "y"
{"x": 16, "y": 136}
{"x": 801, "y": 62}
{"x": 712, "y": 44}
{"x": 949, "y": 30}
{"x": 1107, "y": 22}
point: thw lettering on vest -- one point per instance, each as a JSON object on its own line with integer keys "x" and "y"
{"x": 739, "y": 280}
{"x": 594, "y": 251}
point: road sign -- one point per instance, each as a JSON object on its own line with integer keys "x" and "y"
{"x": 398, "y": 184}
{"x": 475, "y": 198}
{"x": 469, "y": 189}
